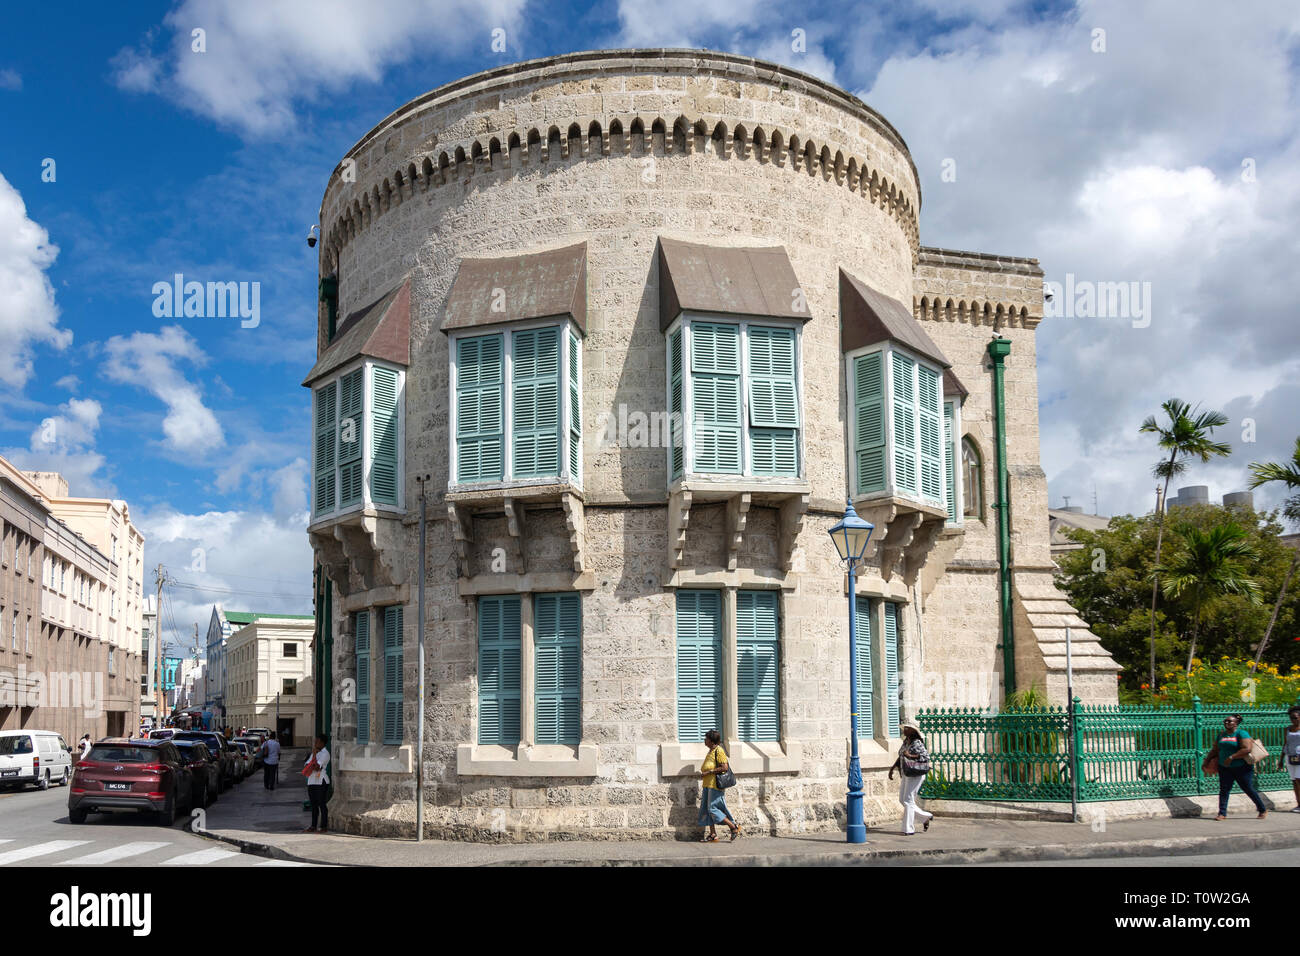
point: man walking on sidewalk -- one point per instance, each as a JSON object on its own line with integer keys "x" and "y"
{"x": 270, "y": 762}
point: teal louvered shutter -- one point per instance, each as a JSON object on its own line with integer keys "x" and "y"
{"x": 757, "y": 665}
{"x": 904, "y": 408}
{"x": 535, "y": 387}
{"x": 394, "y": 695}
{"x": 364, "y": 689}
{"x": 352, "y": 390}
{"x": 866, "y": 673}
{"x": 385, "y": 434}
{"x": 930, "y": 415}
{"x": 949, "y": 462}
{"x": 870, "y": 446}
{"x": 699, "y": 664}
{"x": 499, "y": 670}
{"x": 676, "y": 374}
{"x": 324, "y": 465}
{"x": 891, "y": 667}
{"x": 773, "y": 402}
{"x": 557, "y": 642}
{"x": 575, "y": 409}
{"x": 715, "y": 397}
{"x": 479, "y": 409}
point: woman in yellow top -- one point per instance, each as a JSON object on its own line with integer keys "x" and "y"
{"x": 713, "y": 806}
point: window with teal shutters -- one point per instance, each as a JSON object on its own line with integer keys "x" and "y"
{"x": 891, "y": 667}
{"x": 930, "y": 416}
{"x": 676, "y": 374}
{"x": 903, "y": 389}
{"x": 575, "y": 409}
{"x": 352, "y": 392}
{"x": 479, "y": 408}
{"x": 699, "y": 664}
{"x": 949, "y": 463}
{"x": 324, "y": 464}
{"x": 499, "y": 670}
{"x": 364, "y": 689}
{"x": 557, "y": 664}
{"x": 866, "y": 673}
{"x": 869, "y": 422}
{"x": 715, "y": 397}
{"x": 385, "y": 434}
{"x": 757, "y": 665}
{"x": 535, "y": 387}
{"x": 773, "y": 401}
{"x": 394, "y": 695}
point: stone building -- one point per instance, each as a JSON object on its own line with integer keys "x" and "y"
{"x": 269, "y": 675}
{"x": 643, "y": 319}
{"x": 70, "y": 648}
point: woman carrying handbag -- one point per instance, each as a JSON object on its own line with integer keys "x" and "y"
{"x": 914, "y": 762}
{"x": 717, "y": 776}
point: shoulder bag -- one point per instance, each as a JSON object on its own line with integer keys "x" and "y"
{"x": 724, "y": 779}
{"x": 914, "y": 766}
{"x": 1257, "y": 753}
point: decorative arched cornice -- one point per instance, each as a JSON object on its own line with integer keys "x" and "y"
{"x": 1000, "y": 315}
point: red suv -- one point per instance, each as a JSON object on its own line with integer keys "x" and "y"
{"x": 120, "y": 773}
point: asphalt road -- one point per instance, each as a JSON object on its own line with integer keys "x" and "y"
{"x": 35, "y": 831}
{"x": 1250, "y": 858}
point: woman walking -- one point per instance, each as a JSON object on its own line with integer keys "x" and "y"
{"x": 1230, "y": 755}
{"x": 1291, "y": 754}
{"x": 713, "y": 805}
{"x": 913, "y": 763}
{"x": 318, "y": 779}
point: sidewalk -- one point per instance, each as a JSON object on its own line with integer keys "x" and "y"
{"x": 270, "y": 824}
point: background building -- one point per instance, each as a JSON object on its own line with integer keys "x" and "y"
{"x": 645, "y": 317}
{"x": 269, "y": 674}
{"x": 214, "y": 672}
{"x": 70, "y": 652}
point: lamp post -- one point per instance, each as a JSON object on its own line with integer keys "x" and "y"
{"x": 851, "y": 536}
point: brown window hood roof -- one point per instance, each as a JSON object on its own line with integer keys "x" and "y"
{"x": 380, "y": 330}
{"x": 868, "y": 317}
{"x": 728, "y": 280}
{"x": 515, "y": 288}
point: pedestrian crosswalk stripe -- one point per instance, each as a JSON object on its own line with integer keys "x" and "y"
{"x": 200, "y": 857}
{"x": 113, "y": 853}
{"x": 284, "y": 863}
{"x": 39, "y": 849}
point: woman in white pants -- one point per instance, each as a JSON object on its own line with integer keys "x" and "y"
{"x": 913, "y": 763}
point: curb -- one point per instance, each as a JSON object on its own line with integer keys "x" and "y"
{"x": 945, "y": 856}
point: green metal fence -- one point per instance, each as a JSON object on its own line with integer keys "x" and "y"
{"x": 1120, "y": 753}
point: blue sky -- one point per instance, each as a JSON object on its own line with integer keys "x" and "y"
{"x": 1126, "y": 163}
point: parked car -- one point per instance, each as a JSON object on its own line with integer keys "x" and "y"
{"x": 41, "y": 757}
{"x": 121, "y": 773}
{"x": 205, "y": 767}
{"x": 254, "y": 744}
{"x": 163, "y": 733}
{"x": 245, "y": 758}
{"x": 216, "y": 744}
{"x": 264, "y": 732}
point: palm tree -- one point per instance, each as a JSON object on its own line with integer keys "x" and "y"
{"x": 1288, "y": 474}
{"x": 1186, "y": 436}
{"x": 1210, "y": 563}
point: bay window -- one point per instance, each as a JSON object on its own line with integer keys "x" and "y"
{"x": 357, "y": 447}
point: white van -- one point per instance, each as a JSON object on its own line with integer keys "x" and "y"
{"x": 41, "y": 757}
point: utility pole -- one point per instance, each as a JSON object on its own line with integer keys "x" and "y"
{"x": 155, "y": 637}
{"x": 419, "y": 679}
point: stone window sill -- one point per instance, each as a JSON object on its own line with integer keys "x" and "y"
{"x": 874, "y": 754}
{"x": 376, "y": 758}
{"x": 488, "y": 760}
{"x": 683, "y": 760}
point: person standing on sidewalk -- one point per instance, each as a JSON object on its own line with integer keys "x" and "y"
{"x": 713, "y": 805}
{"x": 1291, "y": 754}
{"x": 318, "y": 779}
{"x": 270, "y": 762}
{"x": 85, "y": 745}
{"x": 1233, "y": 745}
{"x": 913, "y": 764}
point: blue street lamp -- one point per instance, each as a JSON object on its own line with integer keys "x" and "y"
{"x": 851, "y": 536}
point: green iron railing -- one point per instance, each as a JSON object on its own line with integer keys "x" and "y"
{"x": 1120, "y": 753}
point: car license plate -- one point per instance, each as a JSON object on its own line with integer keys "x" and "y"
{"x": 8, "y": 773}
{"x": 117, "y": 786}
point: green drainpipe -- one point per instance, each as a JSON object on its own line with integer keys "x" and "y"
{"x": 999, "y": 349}
{"x": 324, "y": 643}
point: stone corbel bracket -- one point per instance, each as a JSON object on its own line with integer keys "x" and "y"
{"x": 329, "y": 552}
{"x": 515, "y": 526}
{"x": 575, "y": 520}
{"x": 881, "y": 516}
{"x": 902, "y": 531}
{"x": 737, "y": 516}
{"x": 357, "y": 550}
{"x": 679, "y": 516}
{"x": 791, "y": 520}
{"x": 918, "y": 551}
{"x": 462, "y": 534}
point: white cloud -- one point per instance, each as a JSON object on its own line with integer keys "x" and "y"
{"x": 10, "y": 80}
{"x": 69, "y": 382}
{"x": 65, "y": 443}
{"x": 243, "y": 560}
{"x": 150, "y": 360}
{"x": 28, "y": 315}
{"x": 262, "y": 59}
